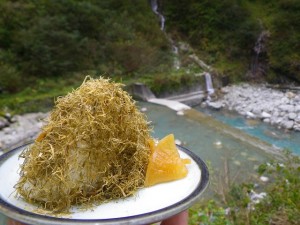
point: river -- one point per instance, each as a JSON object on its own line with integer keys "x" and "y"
{"x": 279, "y": 138}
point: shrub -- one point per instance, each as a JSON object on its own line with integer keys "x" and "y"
{"x": 10, "y": 78}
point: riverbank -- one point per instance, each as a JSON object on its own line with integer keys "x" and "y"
{"x": 20, "y": 129}
{"x": 276, "y": 107}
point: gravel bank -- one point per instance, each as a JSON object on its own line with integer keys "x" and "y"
{"x": 279, "y": 108}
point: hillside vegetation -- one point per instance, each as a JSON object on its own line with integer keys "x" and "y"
{"x": 246, "y": 39}
{"x": 47, "y": 46}
{"x": 40, "y": 39}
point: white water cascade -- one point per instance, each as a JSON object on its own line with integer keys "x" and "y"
{"x": 176, "y": 62}
{"x": 209, "y": 86}
{"x": 162, "y": 20}
{"x": 259, "y": 48}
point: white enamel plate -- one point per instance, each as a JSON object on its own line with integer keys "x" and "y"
{"x": 149, "y": 205}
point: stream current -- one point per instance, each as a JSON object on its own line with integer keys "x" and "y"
{"x": 279, "y": 138}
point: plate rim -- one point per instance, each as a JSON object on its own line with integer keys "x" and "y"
{"x": 149, "y": 217}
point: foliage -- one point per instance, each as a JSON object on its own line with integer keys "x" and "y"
{"x": 281, "y": 205}
{"x": 210, "y": 213}
{"x": 10, "y": 78}
{"x": 220, "y": 30}
{"x": 284, "y": 47}
{"x": 56, "y": 38}
{"x": 40, "y": 95}
{"x": 170, "y": 83}
{"x": 226, "y": 32}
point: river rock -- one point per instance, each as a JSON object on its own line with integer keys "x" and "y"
{"x": 297, "y": 126}
{"x": 250, "y": 115}
{"x": 265, "y": 115}
{"x": 292, "y": 116}
{"x": 297, "y": 108}
{"x": 287, "y": 108}
{"x": 257, "y": 111}
{"x": 288, "y": 124}
{"x": 297, "y": 119}
{"x": 257, "y": 101}
{"x": 290, "y": 95}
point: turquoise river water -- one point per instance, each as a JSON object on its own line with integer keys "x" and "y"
{"x": 279, "y": 138}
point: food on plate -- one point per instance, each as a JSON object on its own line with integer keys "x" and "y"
{"x": 95, "y": 147}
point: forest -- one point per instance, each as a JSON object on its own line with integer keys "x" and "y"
{"x": 51, "y": 42}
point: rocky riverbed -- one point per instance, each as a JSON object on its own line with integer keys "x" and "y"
{"x": 279, "y": 108}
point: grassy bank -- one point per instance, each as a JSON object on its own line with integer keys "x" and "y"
{"x": 39, "y": 96}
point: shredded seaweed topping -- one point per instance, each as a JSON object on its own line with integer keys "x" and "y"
{"x": 93, "y": 148}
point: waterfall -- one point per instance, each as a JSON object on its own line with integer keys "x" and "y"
{"x": 259, "y": 48}
{"x": 154, "y": 7}
{"x": 209, "y": 85}
{"x": 176, "y": 61}
{"x": 162, "y": 20}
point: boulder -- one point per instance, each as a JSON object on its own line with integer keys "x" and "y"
{"x": 290, "y": 95}
{"x": 292, "y": 115}
{"x": 287, "y": 108}
{"x": 297, "y": 108}
{"x": 250, "y": 115}
{"x": 288, "y": 124}
{"x": 265, "y": 115}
